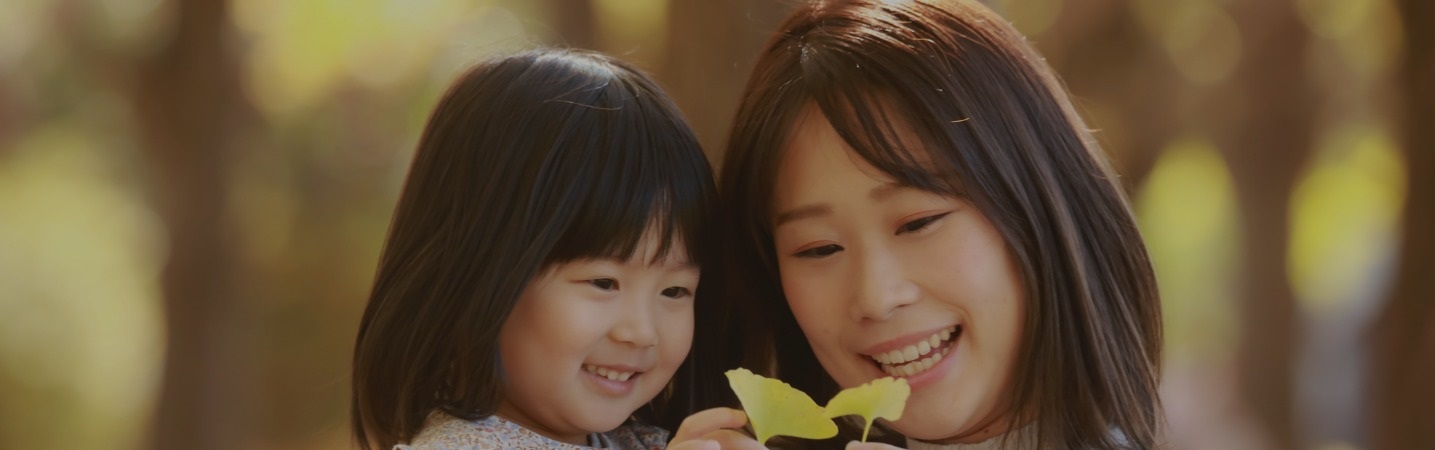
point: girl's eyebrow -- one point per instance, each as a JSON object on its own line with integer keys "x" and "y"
{"x": 684, "y": 266}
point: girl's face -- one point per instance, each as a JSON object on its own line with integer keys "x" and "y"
{"x": 889, "y": 280}
{"x": 589, "y": 342}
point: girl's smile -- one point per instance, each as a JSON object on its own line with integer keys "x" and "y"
{"x": 612, "y": 380}
{"x": 591, "y": 341}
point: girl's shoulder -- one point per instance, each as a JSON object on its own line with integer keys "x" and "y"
{"x": 635, "y": 435}
{"x": 446, "y": 432}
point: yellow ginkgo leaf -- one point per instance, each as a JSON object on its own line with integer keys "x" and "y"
{"x": 776, "y": 409}
{"x": 883, "y": 398}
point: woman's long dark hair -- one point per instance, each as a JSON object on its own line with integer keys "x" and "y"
{"x": 529, "y": 160}
{"x": 999, "y": 129}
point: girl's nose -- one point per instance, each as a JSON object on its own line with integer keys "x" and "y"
{"x": 636, "y": 325}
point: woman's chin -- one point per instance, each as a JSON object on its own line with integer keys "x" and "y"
{"x": 938, "y": 428}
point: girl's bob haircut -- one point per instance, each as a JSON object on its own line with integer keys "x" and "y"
{"x": 528, "y": 161}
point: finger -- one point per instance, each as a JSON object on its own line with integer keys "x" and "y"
{"x": 707, "y": 421}
{"x": 855, "y": 445}
{"x": 696, "y": 444}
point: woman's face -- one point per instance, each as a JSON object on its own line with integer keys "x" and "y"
{"x": 889, "y": 280}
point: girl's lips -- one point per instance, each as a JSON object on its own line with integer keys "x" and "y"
{"x": 616, "y": 373}
{"x": 611, "y": 387}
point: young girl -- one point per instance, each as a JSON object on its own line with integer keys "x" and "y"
{"x": 909, "y": 192}
{"x": 536, "y": 288}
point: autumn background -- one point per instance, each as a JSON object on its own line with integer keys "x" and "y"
{"x": 193, "y": 195}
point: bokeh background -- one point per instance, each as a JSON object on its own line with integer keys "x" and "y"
{"x": 193, "y": 195}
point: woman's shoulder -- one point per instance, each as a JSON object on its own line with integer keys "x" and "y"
{"x": 446, "y": 432}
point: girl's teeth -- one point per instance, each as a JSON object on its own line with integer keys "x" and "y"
{"x": 609, "y": 374}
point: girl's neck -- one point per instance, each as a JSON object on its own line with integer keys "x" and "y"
{"x": 508, "y": 411}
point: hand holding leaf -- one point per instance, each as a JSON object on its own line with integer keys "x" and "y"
{"x": 775, "y": 408}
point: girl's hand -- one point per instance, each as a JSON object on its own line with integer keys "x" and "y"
{"x": 856, "y": 445}
{"x": 713, "y": 429}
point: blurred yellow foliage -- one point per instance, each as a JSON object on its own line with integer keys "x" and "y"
{"x": 1345, "y": 211}
{"x": 1187, "y": 212}
{"x": 80, "y": 321}
{"x": 1200, "y": 37}
{"x": 302, "y": 50}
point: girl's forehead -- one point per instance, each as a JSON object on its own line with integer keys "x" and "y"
{"x": 656, "y": 248}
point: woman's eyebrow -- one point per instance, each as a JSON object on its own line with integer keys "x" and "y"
{"x": 886, "y": 190}
{"x": 802, "y": 212}
{"x": 878, "y": 193}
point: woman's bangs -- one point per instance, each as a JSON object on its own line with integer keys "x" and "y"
{"x": 883, "y": 130}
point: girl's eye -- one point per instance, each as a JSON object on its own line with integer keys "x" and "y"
{"x": 677, "y": 292}
{"x": 919, "y": 224}
{"x": 819, "y": 252}
{"x": 606, "y": 284}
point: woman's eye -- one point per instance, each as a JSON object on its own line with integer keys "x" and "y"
{"x": 820, "y": 252}
{"x": 919, "y": 224}
{"x": 677, "y": 292}
{"x": 606, "y": 284}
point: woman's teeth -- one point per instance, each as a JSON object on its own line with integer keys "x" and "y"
{"x": 918, "y": 357}
{"x": 609, "y": 374}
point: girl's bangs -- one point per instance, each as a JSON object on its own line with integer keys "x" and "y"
{"x": 645, "y": 173}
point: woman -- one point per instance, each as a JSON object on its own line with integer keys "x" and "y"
{"x": 909, "y": 192}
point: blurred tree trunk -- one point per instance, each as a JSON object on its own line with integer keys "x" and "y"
{"x": 574, "y": 22}
{"x": 1101, "y": 51}
{"x": 1404, "y": 336}
{"x": 186, "y": 98}
{"x": 711, "y": 49}
{"x": 1265, "y": 115}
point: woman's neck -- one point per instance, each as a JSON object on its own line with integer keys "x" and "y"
{"x": 993, "y": 427}
{"x": 978, "y": 441}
